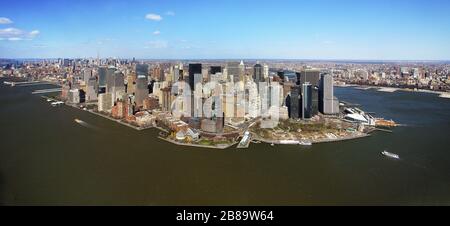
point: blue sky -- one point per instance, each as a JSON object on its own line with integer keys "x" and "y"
{"x": 174, "y": 29}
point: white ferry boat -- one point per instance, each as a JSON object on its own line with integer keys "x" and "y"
{"x": 57, "y": 103}
{"x": 78, "y": 121}
{"x": 390, "y": 155}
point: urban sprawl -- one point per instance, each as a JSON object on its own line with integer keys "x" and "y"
{"x": 219, "y": 104}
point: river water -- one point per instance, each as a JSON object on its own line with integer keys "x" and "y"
{"x": 46, "y": 158}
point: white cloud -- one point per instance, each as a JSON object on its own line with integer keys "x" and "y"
{"x": 156, "y": 33}
{"x": 154, "y": 17}
{"x": 170, "y": 13}
{"x": 159, "y": 44}
{"x": 34, "y": 33}
{"x": 10, "y": 32}
{"x": 4, "y": 20}
{"x": 14, "y": 34}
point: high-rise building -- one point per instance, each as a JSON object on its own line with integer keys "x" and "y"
{"x": 74, "y": 96}
{"x": 141, "y": 89}
{"x": 166, "y": 104}
{"x": 91, "y": 90}
{"x": 176, "y": 73}
{"x": 312, "y": 76}
{"x": 158, "y": 73}
{"x": 294, "y": 103}
{"x": 315, "y": 99}
{"x": 110, "y": 79}
{"x": 306, "y": 101}
{"x": 87, "y": 74}
{"x": 234, "y": 69}
{"x": 105, "y": 102}
{"x": 131, "y": 84}
{"x": 328, "y": 104}
{"x": 118, "y": 88}
{"x": 194, "y": 69}
{"x": 215, "y": 69}
{"x": 258, "y": 75}
{"x": 266, "y": 72}
{"x": 102, "y": 76}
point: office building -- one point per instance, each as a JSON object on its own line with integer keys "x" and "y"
{"x": 328, "y": 104}
{"x": 102, "y": 76}
{"x": 258, "y": 75}
{"x": 306, "y": 101}
{"x": 105, "y": 102}
{"x": 266, "y": 72}
{"x": 74, "y": 96}
{"x": 110, "y": 79}
{"x": 91, "y": 90}
{"x": 141, "y": 89}
{"x": 87, "y": 74}
{"x": 294, "y": 103}
{"x": 311, "y": 76}
{"x": 194, "y": 69}
{"x": 215, "y": 69}
{"x": 118, "y": 88}
{"x": 235, "y": 70}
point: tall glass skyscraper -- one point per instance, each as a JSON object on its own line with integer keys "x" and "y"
{"x": 306, "y": 101}
{"x": 102, "y": 76}
{"x": 258, "y": 73}
{"x": 194, "y": 69}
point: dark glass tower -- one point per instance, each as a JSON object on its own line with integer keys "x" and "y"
{"x": 258, "y": 73}
{"x": 102, "y": 76}
{"x": 215, "y": 69}
{"x": 306, "y": 101}
{"x": 194, "y": 69}
{"x": 295, "y": 102}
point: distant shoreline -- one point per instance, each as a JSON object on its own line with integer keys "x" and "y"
{"x": 442, "y": 94}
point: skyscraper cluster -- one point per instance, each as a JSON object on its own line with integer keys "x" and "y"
{"x": 204, "y": 96}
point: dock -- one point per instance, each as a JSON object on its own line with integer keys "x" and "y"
{"x": 245, "y": 141}
{"x": 43, "y": 91}
{"x": 31, "y": 83}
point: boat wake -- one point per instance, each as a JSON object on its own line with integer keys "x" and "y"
{"x": 85, "y": 124}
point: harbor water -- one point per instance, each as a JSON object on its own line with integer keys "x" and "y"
{"x": 47, "y": 158}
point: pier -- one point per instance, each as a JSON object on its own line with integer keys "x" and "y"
{"x": 245, "y": 141}
{"x": 31, "y": 83}
{"x": 42, "y": 91}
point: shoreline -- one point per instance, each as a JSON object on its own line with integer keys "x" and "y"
{"x": 317, "y": 141}
{"x": 227, "y": 146}
{"x": 441, "y": 94}
{"x": 199, "y": 145}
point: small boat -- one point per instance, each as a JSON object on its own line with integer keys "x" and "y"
{"x": 49, "y": 100}
{"x": 57, "y": 103}
{"x": 78, "y": 121}
{"x": 272, "y": 144}
{"x": 390, "y": 155}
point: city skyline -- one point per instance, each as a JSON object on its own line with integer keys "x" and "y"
{"x": 326, "y": 30}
